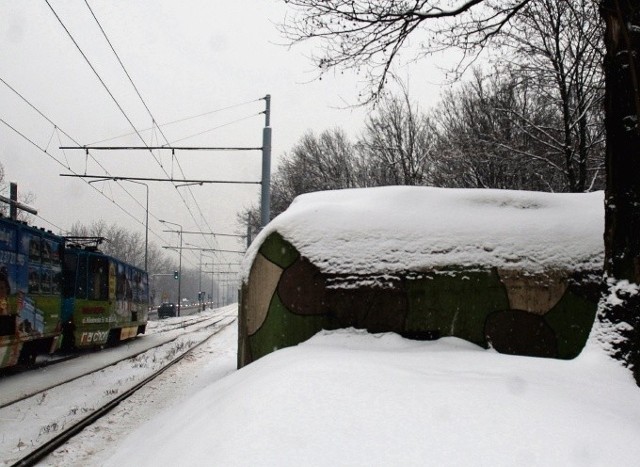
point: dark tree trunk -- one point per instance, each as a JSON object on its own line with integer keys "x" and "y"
{"x": 620, "y": 313}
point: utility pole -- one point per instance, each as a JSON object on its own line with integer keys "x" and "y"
{"x": 266, "y": 164}
{"x": 13, "y": 203}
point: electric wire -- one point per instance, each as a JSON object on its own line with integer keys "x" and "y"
{"x": 153, "y": 122}
{"x": 25, "y": 137}
{"x": 68, "y": 167}
{"x": 120, "y": 107}
{"x": 214, "y": 128}
{"x": 95, "y": 72}
{"x": 60, "y": 229}
{"x": 58, "y": 130}
{"x": 176, "y": 121}
{"x": 155, "y": 125}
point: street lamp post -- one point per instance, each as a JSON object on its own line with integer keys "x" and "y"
{"x": 179, "y": 263}
{"x": 146, "y": 233}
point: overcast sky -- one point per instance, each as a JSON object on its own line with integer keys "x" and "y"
{"x": 186, "y": 57}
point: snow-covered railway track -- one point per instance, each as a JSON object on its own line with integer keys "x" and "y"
{"x": 36, "y": 389}
{"x": 185, "y": 323}
{"x": 101, "y": 387}
{"x": 50, "y": 360}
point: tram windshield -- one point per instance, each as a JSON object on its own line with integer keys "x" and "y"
{"x": 98, "y": 280}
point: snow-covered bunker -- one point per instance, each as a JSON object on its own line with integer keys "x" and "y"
{"x": 513, "y": 270}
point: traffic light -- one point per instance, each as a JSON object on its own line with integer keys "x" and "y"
{"x": 175, "y": 274}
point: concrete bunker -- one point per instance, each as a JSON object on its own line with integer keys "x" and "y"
{"x": 515, "y": 271}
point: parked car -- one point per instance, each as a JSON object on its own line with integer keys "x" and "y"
{"x": 167, "y": 310}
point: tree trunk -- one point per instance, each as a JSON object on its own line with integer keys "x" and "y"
{"x": 619, "y": 316}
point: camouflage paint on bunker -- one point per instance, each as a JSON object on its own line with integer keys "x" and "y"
{"x": 287, "y": 299}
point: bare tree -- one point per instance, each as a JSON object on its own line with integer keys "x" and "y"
{"x": 558, "y": 48}
{"x": 315, "y": 163}
{"x": 369, "y": 34}
{"x": 495, "y": 133}
{"x": 398, "y": 144}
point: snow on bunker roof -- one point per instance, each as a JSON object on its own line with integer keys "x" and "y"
{"x": 389, "y": 230}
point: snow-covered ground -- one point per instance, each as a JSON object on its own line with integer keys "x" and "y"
{"x": 34, "y": 420}
{"x": 206, "y": 365}
{"x": 350, "y": 398}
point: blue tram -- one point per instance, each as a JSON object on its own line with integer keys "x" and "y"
{"x": 30, "y": 299}
{"x": 55, "y": 294}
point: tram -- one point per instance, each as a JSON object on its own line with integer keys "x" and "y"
{"x": 61, "y": 292}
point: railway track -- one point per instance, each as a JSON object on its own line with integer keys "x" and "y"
{"x": 64, "y": 428}
{"x": 40, "y": 388}
{"x": 50, "y": 360}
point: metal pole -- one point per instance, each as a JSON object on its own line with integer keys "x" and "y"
{"x": 200, "y": 298}
{"x": 210, "y": 272}
{"x": 180, "y": 274}
{"x": 266, "y": 165}
{"x": 146, "y": 232}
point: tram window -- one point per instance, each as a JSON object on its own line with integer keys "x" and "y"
{"x": 34, "y": 248}
{"x": 98, "y": 278}
{"x": 81, "y": 281}
{"x": 129, "y": 289}
{"x": 70, "y": 269}
{"x": 34, "y": 280}
{"x": 46, "y": 251}
{"x": 45, "y": 281}
{"x": 56, "y": 281}
{"x": 56, "y": 249}
{"x": 137, "y": 287}
{"x": 121, "y": 283}
{"x": 145, "y": 288}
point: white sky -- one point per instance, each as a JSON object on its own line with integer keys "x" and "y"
{"x": 186, "y": 58}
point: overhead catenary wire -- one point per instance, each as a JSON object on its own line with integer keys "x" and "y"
{"x": 58, "y": 130}
{"x": 215, "y": 128}
{"x": 124, "y": 113}
{"x": 25, "y": 137}
{"x": 154, "y": 122}
{"x": 60, "y": 229}
{"x": 102, "y": 82}
{"x": 95, "y": 72}
{"x": 68, "y": 167}
{"x": 181, "y": 120}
